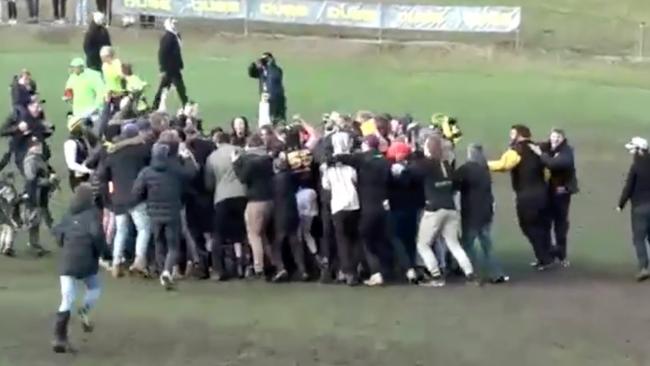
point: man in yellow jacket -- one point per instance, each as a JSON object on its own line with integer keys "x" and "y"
{"x": 529, "y": 182}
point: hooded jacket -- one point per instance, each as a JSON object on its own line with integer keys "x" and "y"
{"x": 124, "y": 161}
{"x": 162, "y": 184}
{"x": 96, "y": 37}
{"x": 474, "y": 182}
{"x": 255, "y": 170}
{"x": 81, "y": 236}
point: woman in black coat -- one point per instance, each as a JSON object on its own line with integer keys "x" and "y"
{"x": 477, "y": 210}
{"x": 286, "y": 220}
{"x": 82, "y": 240}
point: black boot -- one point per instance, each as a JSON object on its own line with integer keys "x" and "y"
{"x": 60, "y": 343}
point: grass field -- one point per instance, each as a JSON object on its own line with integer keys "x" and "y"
{"x": 592, "y": 313}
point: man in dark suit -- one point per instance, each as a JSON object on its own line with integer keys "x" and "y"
{"x": 171, "y": 63}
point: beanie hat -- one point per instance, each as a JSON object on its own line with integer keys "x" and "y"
{"x": 130, "y": 130}
{"x": 159, "y": 151}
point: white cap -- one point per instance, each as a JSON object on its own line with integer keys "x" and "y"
{"x": 98, "y": 17}
{"x": 637, "y": 143}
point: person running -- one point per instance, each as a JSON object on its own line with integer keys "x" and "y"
{"x": 81, "y": 238}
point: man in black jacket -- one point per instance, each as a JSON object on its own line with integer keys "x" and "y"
{"x": 255, "y": 170}
{"x": 81, "y": 237}
{"x": 121, "y": 167}
{"x": 557, "y": 156}
{"x": 161, "y": 185}
{"x": 637, "y": 190}
{"x": 22, "y": 126}
{"x": 96, "y": 37}
{"x": 529, "y": 183}
{"x": 270, "y": 76}
{"x": 374, "y": 173}
{"x": 170, "y": 60}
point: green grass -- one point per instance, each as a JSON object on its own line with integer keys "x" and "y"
{"x": 591, "y": 314}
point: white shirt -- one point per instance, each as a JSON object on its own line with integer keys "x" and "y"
{"x": 70, "y": 155}
{"x": 340, "y": 180}
{"x": 307, "y": 202}
{"x": 264, "y": 114}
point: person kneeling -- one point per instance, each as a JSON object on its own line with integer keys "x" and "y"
{"x": 82, "y": 240}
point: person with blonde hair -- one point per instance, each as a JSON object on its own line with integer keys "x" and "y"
{"x": 113, "y": 76}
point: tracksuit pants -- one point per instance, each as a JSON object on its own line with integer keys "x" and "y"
{"x": 445, "y": 223}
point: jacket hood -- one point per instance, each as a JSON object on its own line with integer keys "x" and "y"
{"x": 82, "y": 199}
{"x": 125, "y": 143}
{"x": 159, "y": 156}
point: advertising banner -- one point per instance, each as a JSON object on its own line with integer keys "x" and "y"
{"x": 217, "y": 9}
{"x": 494, "y": 19}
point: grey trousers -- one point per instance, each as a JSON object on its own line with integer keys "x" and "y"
{"x": 445, "y": 223}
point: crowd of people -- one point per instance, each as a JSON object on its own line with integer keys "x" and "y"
{"x": 354, "y": 199}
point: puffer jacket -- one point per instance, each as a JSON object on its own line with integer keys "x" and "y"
{"x": 81, "y": 236}
{"x": 162, "y": 184}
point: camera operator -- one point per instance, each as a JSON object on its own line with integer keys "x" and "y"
{"x": 269, "y": 74}
{"x": 21, "y": 126}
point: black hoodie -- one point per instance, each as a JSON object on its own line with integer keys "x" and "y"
{"x": 162, "y": 184}
{"x": 81, "y": 236}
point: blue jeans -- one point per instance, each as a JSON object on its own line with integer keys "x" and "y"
{"x": 69, "y": 292}
{"x": 488, "y": 262}
{"x": 142, "y": 226}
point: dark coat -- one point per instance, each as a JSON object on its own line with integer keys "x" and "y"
{"x": 560, "y": 161}
{"x": 637, "y": 185}
{"x": 270, "y": 79}
{"x": 374, "y": 178}
{"x": 438, "y": 187}
{"x": 406, "y": 193}
{"x": 96, "y": 37}
{"x": 19, "y": 141}
{"x": 162, "y": 185}
{"x": 199, "y": 207}
{"x": 170, "y": 59}
{"x": 285, "y": 217}
{"x": 81, "y": 237}
{"x": 527, "y": 177}
{"x": 476, "y": 198}
{"x": 255, "y": 171}
{"x": 123, "y": 163}
{"x": 21, "y": 95}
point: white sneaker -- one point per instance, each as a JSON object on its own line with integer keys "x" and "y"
{"x": 436, "y": 281}
{"x": 12, "y": 22}
{"x": 375, "y": 280}
{"x": 411, "y": 275}
{"x": 166, "y": 281}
